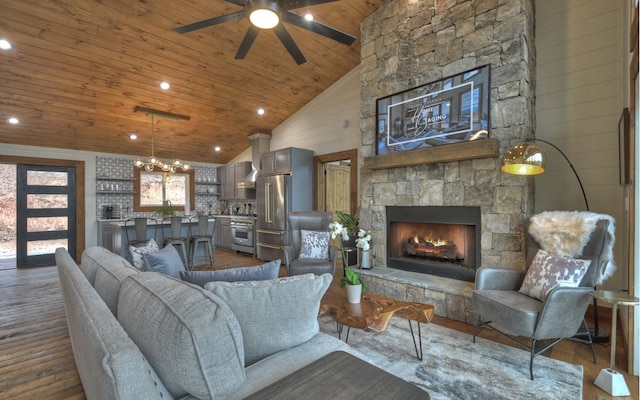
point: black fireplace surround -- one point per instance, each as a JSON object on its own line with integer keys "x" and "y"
{"x": 460, "y": 224}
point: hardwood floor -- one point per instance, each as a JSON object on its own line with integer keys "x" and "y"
{"x": 36, "y": 361}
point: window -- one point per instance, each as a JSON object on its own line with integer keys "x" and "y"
{"x": 155, "y": 188}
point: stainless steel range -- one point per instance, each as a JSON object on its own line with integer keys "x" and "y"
{"x": 243, "y": 234}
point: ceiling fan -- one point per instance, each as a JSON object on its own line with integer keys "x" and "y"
{"x": 270, "y": 14}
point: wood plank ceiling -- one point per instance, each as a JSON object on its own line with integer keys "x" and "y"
{"x": 78, "y": 68}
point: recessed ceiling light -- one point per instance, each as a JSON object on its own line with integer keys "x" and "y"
{"x": 133, "y": 136}
{"x": 308, "y": 17}
{"x": 164, "y": 85}
{"x": 13, "y": 120}
{"x": 5, "y": 45}
{"x": 260, "y": 111}
{"x": 217, "y": 148}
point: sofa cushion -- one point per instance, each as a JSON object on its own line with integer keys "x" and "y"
{"x": 138, "y": 252}
{"x": 548, "y": 271}
{"x": 190, "y": 337}
{"x": 109, "y": 278}
{"x": 276, "y": 314}
{"x": 262, "y": 272}
{"x": 95, "y": 256}
{"x": 110, "y": 365}
{"x": 166, "y": 261}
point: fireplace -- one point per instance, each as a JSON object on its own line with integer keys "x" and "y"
{"x": 442, "y": 241}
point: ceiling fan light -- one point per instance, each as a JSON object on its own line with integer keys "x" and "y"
{"x": 264, "y": 18}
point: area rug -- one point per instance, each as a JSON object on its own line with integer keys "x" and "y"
{"x": 453, "y": 367}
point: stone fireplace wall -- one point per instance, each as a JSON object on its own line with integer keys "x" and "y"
{"x": 408, "y": 43}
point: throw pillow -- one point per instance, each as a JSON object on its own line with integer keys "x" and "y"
{"x": 137, "y": 253}
{"x": 262, "y": 272}
{"x": 166, "y": 261}
{"x": 548, "y": 271}
{"x": 190, "y": 337}
{"x": 314, "y": 244}
{"x": 274, "y": 315}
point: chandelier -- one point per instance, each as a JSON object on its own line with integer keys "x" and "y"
{"x": 153, "y": 161}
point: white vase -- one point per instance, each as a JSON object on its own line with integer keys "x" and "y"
{"x": 365, "y": 260}
{"x": 354, "y": 293}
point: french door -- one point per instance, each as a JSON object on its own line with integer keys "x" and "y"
{"x": 46, "y": 213}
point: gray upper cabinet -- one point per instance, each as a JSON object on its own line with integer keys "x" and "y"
{"x": 231, "y": 175}
{"x": 284, "y": 161}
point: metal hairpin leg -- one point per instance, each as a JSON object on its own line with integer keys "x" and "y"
{"x": 415, "y": 346}
{"x": 339, "y": 328}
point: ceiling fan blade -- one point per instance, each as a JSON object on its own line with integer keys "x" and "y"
{"x": 290, "y": 4}
{"x": 319, "y": 28}
{"x": 211, "y": 21}
{"x": 249, "y": 37}
{"x": 242, "y": 3}
{"x": 289, "y": 44}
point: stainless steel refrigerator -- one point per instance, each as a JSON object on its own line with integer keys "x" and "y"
{"x": 276, "y": 196}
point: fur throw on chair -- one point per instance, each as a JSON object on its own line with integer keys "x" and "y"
{"x": 565, "y": 233}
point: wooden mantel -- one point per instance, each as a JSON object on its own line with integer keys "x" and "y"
{"x": 484, "y": 148}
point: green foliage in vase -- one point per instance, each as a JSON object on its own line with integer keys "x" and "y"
{"x": 349, "y": 221}
{"x": 352, "y": 278}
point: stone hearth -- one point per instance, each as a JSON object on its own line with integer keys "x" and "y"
{"x": 450, "y": 297}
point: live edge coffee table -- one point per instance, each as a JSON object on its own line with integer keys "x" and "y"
{"x": 373, "y": 313}
{"x": 326, "y": 379}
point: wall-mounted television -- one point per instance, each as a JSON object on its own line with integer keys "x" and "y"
{"x": 450, "y": 110}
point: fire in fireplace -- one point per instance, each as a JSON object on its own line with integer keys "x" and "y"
{"x": 442, "y": 241}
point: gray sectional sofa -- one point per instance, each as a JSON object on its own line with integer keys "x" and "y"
{"x": 143, "y": 335}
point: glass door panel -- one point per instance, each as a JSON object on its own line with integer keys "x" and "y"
{"x": 46, "y": 213}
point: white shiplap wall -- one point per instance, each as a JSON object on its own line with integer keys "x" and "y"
{"x": 580, "y": 94}
{"x": 329, "y": 123}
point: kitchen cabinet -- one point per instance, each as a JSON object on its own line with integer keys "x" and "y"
{"x": 231, "y": 176}
{"x": 105, "y": 234}
{"x": 285, "y": 161}
{"x": 223, "y": 233}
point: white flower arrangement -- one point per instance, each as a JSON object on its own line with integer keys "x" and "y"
{"x": 337, "y": 229}
{"x": 364, "y": 237}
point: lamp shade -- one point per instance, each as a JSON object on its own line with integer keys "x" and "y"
{"x": 524, "y": 159}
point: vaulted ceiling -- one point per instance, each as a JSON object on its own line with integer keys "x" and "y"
{"x": 78, "y": 69}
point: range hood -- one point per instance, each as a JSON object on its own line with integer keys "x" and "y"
{"x": 260, "y": 143}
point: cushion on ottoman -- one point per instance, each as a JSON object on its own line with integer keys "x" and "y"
{"x": 274, "y": 315}
{"x": 189, "y": 336}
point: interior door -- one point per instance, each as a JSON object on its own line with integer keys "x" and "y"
{"x": 46, "y": 213}
{"x": 338, "y": 188}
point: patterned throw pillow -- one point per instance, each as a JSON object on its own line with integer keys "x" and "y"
{"x": 314, "y": 245}
{"x": 548, "y": 271}
{"x": 137, "y": 253}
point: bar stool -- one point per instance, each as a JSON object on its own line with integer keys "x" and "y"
{"x": 204, "y": 236}
{"x": 140, "y": 225}
{"x": 175, "y": 237}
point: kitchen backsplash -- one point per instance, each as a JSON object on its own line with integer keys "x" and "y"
{"x": 121, "y": 188}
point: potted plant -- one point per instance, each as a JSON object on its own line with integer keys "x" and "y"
{"x": 362, "y": 243}
{"x": 346, "y": 228}
{"x": 166, "y": 209}
{"x": 354, "y": 285}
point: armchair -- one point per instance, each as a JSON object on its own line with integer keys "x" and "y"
{"x": 502, "y": 307}
{"x": 300, "y": 224}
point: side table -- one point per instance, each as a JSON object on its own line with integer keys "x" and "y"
{"x": 609, "y": 379}
{"x": 345, "y": 257}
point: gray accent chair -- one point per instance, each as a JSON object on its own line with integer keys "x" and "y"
{"x": 310, "y": 221}
{"x": 502, "y": 308}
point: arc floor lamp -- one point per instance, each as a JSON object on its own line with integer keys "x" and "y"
{"x": 527, "y": 158}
